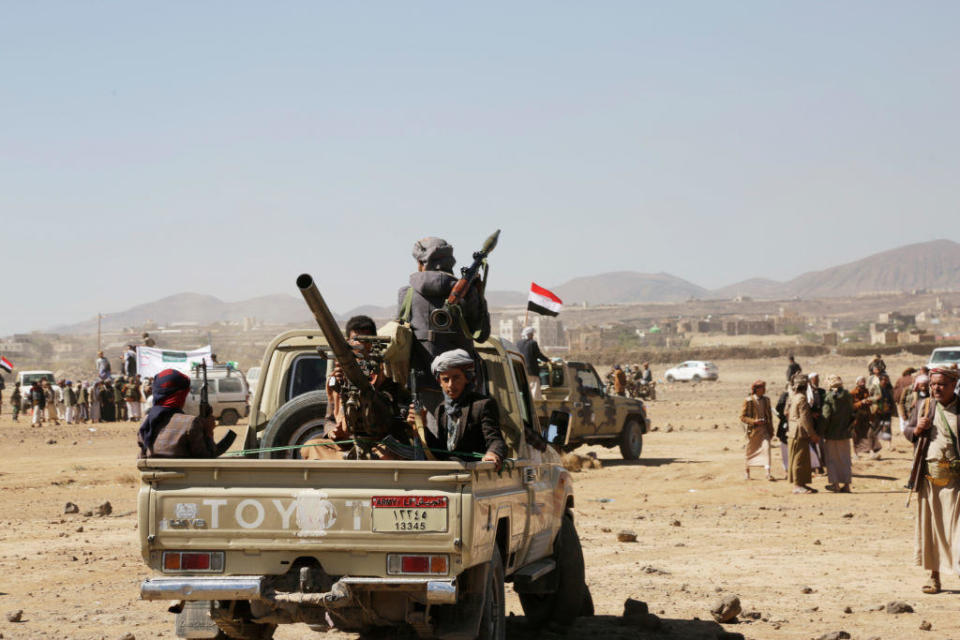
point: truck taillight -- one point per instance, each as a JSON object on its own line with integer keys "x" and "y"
{"x": 416, "y": 564}
{"x": 193, "y": 561}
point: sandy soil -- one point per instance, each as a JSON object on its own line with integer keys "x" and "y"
{"x": 703, "y": 532}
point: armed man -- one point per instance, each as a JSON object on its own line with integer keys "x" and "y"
{"x": 168, "y": 432}
{"x": 936, "y": 476}
{"x": 428, "y": 294}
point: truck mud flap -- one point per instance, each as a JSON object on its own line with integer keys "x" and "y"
{"x": 194, "y": 620}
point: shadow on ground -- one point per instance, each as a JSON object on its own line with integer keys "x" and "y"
{"x": 646, "y": 462}
{"x": 613, "y": 627}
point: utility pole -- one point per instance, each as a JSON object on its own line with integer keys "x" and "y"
{"x": 99, "y": 344}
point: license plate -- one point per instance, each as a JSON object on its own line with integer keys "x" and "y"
{"x": 415, "y": 514}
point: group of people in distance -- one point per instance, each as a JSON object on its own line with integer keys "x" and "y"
{"x": 816, "y": 426}
{"x": 459, "y": 419}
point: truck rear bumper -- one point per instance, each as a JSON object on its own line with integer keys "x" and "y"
{"x": 252, "y": 588}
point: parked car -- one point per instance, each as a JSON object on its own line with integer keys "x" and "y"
{"x": 944, "y": 355}
{"x": 26, "y": 380}
{"x": 227, "y": 391}
{"x": 692, "y": 371}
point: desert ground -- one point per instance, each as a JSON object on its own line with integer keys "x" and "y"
{"x": 807, "y": 565}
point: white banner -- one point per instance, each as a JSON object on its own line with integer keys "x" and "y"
{"x": 151, "y": 361}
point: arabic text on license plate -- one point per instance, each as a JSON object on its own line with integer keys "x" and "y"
{"x": 409, "y": 513}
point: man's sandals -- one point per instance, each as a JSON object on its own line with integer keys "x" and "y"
{"x": 932, "y": 586}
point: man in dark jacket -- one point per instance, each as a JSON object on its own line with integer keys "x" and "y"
{"x": 168, "y": 432}
{"x": 38, "y": 401}
{"x": 792, "y": 368}
{"x": 427, "y": 291}
{"x": 466, "y": 422}
{"x": 532, "y": 357}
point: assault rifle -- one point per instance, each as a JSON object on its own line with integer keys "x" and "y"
{"x": 442, "y": 319}
{"x": 206, "y": 411}
{"x": 919, "y": 454}
{"x": 365, "y": 411}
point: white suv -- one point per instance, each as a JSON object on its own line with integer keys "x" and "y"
{"x": 227, "y": 391}
{"x": 944, "y": 355}
{"x": 693, "y": 371}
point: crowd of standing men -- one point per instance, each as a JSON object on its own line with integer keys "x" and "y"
{"x": 104, "y": 399}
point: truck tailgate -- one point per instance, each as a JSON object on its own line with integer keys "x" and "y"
{"x": 263, "y": 506}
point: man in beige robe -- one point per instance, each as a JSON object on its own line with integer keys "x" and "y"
{"x": 758, "y": 418}
{"x": 802, "y": 434}
{"x": 938, "y": 488}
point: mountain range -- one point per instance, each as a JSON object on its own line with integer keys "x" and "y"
{"x": 926, "y": 265}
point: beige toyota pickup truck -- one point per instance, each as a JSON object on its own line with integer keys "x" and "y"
{"x": 243, "y": 544}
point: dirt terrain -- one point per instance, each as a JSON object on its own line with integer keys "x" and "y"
{"x": 703, "y": 532}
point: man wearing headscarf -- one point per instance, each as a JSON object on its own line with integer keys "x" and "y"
{"x": 938, "y": 488}
{"x": 466, "y": 422}
{"x": 919, "y": 390}
{"x": 758, "y": 419}
{"x": 532, "y": 357}
{"x": 619, "y": 380}
{"x": 428, "y": 290}
{"x": 168, "y": 432}
{"x": 865, "y": 441}
{"x": 881, "y": 393}
{"x": 815, "y": 396}
{"x": 802, "y": 433}
{"x": 838, "y": 419}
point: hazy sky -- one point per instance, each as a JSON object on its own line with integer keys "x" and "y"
{"x": 224, "y": 147}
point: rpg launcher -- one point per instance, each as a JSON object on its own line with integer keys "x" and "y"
{"x": 442, "y": 319}
{"x": 365, "y": 411}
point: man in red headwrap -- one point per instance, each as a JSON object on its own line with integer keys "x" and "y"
{"x": 167, "y": 432}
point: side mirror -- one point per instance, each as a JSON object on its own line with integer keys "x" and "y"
{"x": 556, "y": 431}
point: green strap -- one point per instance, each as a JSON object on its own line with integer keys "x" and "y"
{"x": 407, "y": 307}
{"x": 946, "y": 423}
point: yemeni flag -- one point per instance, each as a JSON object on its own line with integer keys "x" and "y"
{"x": 6, "y": 365}
{"x": 542, "y": 301}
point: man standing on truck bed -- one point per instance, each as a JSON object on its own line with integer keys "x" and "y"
{"x": 167, "y": 432}
{"x": 532, "y": 356}
{"x": 466, "y": 421}
{"x": 427, "y": 291}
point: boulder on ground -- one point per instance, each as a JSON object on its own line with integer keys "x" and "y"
{"x": 726, "y": 609}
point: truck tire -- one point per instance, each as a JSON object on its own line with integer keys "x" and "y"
{"x": 493, "y": 621}
{"x": 570, "y": 598}
{"x": 670, "y": 378}
{"x": 229, "y": 417}
{"x": 295, "y": 423}
{"x": 631, "y": 440}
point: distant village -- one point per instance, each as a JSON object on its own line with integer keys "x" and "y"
{"x": 661, "y": 332}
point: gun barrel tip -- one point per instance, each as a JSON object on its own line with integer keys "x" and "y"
{"x": 304, "y": 280}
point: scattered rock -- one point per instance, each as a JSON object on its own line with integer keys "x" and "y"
{"x": 675, "y": 523}
{"x": 817, "y": 542}
{"x": 726, "y": 609}
{"x": 575, "y": 462}
{"x": 753, "y": 615}
{"x": 88, "y": 514}
{"x": 128, "y": 636}
{"x": 633, "y": 607}
{"x": 835, "y": 635}
{"x": 925, "y": 626}
{"x": 700, "y": 417}
{"x": 51, "y": 441}
{"x": 848, "y": 515}
{"x": 807, "y": 590}
{"x": 654, "y": 570}
{"x": 716, "y": 426}
{"x": 899, "y": 606}
{"x": 669, "y": 429}
{"x": 104, "y": 508}
{"x": 80, "y": 529}
{"x": 15, "y": 616}
{"x": 71, "y": 508}
{"x": 627, "y": 536}
{"x": 652, "y": 429}
{"x": 848, "y": 610}
{"x": 637, "y": 614}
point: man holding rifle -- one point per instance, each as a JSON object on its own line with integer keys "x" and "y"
{"x": 936, "y": 476}
{"x": 168, "y": 432}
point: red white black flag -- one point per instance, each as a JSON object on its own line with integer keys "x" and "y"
{"x": 542, "y": 301}
{"x": 6, "y": 365}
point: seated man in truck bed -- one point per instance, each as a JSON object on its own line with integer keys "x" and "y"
{"x": 466, "y": 421}
{"x": 168, "y": 432}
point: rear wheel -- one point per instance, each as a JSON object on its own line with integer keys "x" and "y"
{"x": 229, "y": 417}
{"x": 493, "y": 622}
{"x": 631, "y": 440}
{"x": 294, "y": 424}
{"x": 695, "y": 378}
{"x": 670, "y": 378}
{"x": 571, "y": 597}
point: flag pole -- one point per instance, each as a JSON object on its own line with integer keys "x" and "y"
{"x": 99, "y": 345}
